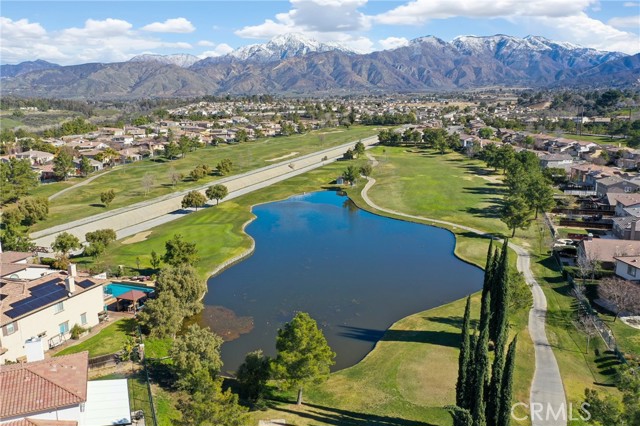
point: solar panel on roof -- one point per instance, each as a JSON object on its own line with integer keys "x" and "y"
{"x": 42, "y": 297}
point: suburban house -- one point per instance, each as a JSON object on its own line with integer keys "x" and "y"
{"x": 606, "y": 251}
{"x": 615, "y": 184}
{"x": 36, "y": 157}
{"x": 556, "y": 161}
{"x": 45, "y": 305}
{"x": 628, "y": 267}
{"x": 17, "y": 265}
{"x": 56, "y": 392}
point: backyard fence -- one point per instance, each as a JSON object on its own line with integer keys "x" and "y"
{"x": 145, "y": 394}
{"x": 603, "y": 330}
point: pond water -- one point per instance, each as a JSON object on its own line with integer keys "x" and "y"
{"x": 354, "y": 272}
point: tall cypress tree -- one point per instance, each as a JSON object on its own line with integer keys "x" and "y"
{"x": 481, "y": 372}
{"x": 504, "y": 415}
{"x": 494, "y": 393}
{"x": 488, "y": 276}
{"x": 500, "y": 324}
{"x": 461, "y": 416}
{"x": 462, "y": 397}
{"x": 500, "y": 299}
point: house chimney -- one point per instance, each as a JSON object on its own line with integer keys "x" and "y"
{"x": 70, "y": 284}
{"x": 72, "y": 270}
{"x": 589, "y": 236}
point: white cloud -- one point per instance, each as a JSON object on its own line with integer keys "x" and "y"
{"x": 625, "y": 22}
{"x": 335, "y": 21}
{"x": 221, "y": 49}
{"x": 420, "y": 11}
{"x": 108, "y": 40}
{"x": 393, "y": 42}
{"x": 20, "y": 29}
{"x": 586, "y": 31}
{"x": 312, "y": 16}
{"x": 206, "y": 43}
{"x": 631, "y": 4}
{"x": 95, "y": 29}
{"x": 174, "y": 25}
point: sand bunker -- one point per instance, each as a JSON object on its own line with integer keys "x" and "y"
{"x": 140, "y": 236}
{"x": 283, "y": 157}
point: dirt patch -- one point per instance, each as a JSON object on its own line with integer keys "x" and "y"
{"x": 140, "y": 236}
{"x": 225, "y": 323}
{"x": 492, "y": 178}
{"x": 283, "y": 157}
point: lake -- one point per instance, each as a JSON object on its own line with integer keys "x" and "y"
{"x": 354, "y": 272}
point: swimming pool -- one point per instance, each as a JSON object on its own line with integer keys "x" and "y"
{"x": 116, "y": 289}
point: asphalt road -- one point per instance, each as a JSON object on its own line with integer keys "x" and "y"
{"x": 145, "y": 215}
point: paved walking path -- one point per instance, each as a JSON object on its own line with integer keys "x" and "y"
{"x": 130, "y": 220}
{"x": 547, "y": 391}
{"x": 84, "y": 182}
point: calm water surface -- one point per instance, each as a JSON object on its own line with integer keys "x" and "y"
{"x": 354, "y": 272}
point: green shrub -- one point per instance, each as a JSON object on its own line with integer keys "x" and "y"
{"x": 77, "y": 331}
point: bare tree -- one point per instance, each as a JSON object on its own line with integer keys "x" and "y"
{"x": 587, "y": 264}
{"x": 584, "y": 323}
{"x": 624, "y": 295}
{"x": 174, "y": 176}
{"x": 147, "y": 183}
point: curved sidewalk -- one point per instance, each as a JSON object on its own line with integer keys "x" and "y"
{"x": 547, "y": 391}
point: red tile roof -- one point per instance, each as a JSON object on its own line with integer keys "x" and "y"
{"x": 43, "y": 385}
{"x": 41, "y": 422}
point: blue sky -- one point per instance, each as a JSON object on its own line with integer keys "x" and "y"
{"x": 71, "y": 32}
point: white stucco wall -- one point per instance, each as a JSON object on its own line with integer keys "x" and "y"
{"x": 90, "y": 301}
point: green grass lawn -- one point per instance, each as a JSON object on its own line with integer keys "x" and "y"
{"x": 217, "y": 231}
{"x": 126, "y": 180}
{"x": 9, "y": 122}
{"x": 109, "y": 340}
{"x": 627, "y": 337}
{"x": 579, "y": 369}
{"x": 600, "y": 140}
{"x": 410, "y": 374}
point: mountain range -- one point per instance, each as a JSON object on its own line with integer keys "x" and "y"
{"x": 293, "y": 64}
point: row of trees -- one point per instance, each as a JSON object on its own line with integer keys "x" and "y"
{"x": 196, "y": 199}
{"x": 528, "y": 189}
{"x": 437, "y": 139}
{"x": 484, "y": 389}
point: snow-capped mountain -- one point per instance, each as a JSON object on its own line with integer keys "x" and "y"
{"x": 294, "y": 64}
{"x": 282, "y": 47}
{"x": 183, "y": 60}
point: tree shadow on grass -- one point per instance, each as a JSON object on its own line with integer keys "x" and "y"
{"x": 335, "y": 416}
{"x": 453, "y": 321}
{"x": 486, "y": 212}
{"x": 442, "y": 338}
{"x": 97, "y": 205}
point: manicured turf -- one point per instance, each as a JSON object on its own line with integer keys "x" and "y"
{"x": 108, "y": 341}
{"x": 410, "y": 374}
{"x": 627, "y": 337}
{"x": 600, "y": 140}
{"x": 126, "y": 180}
{"x": 578, "y": 368}
{"x": 216, "y": 231}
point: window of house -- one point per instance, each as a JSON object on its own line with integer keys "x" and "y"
{"x": 64, "y": 327}
{"x": 83, "y": 319}
{"x": 58, "y": 307}
{"x": 10, "y": 328}
{"x": 631, "y": 270}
